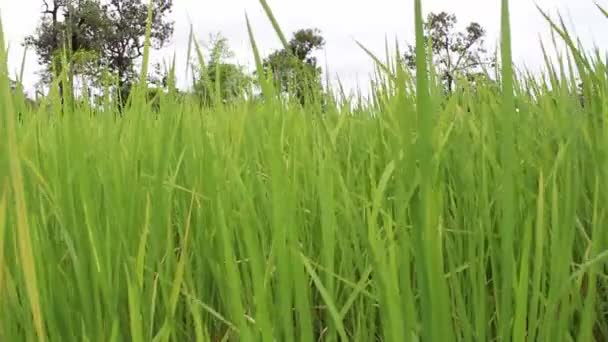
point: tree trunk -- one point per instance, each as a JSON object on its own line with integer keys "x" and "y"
{"x": 450, "y": 80}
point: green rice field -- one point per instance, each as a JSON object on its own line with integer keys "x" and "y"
{"x": 408, "y": 216}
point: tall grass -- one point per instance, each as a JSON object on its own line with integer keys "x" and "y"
{"x": 414, "y": 216}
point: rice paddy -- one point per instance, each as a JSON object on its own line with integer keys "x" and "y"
{"x": 411, "y": 216}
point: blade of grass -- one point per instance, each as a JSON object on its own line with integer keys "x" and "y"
{"x": 507, "y": 199}
{"x": 275, "y": 25}
{"x": 25, "y": 246}
{"x": 333, "y": 311}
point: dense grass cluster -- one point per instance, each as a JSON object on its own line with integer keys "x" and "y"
{"x": 415, "y": 216}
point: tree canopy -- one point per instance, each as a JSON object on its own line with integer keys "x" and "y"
{"x": 110, "y": 34}
{"x": 103, "y": 39}
{"x": 220, "y": 78}
{"x": 295, "y": 71}
{"x": 455, "y": 53}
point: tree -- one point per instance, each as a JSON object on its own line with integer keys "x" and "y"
{"x": 455, "y": 54}
{"x": 79, "y": 24}
{"x": 295, "y": 71}
{"x": 124, "y": 37}
{"x": 219, "y": 74}
{"x": 112, "y": 30}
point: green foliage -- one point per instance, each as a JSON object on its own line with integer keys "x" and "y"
{"x": 231, "y": 80}
{"x": 455, "y": 54}
{"x": 417, "y": 216}
{"x": 125, "y": 39}
{"x": 295, "y": 70}
{"x": 113, "y": 31}
{"x": 66, "y": 25}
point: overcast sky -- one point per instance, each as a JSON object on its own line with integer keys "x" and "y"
{"x": 341, "y": 22}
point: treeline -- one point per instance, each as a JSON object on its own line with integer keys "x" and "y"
{"x": 93, "y": 47}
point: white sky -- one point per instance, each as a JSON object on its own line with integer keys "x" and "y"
{"x": 341, "y": 22}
